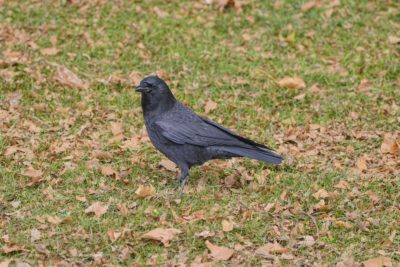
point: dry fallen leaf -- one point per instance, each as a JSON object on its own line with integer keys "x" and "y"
{"x": 342, "y": 185}
{"x": 5, "y": 263}
{"x": 292, "y": 83}
{"x": 205, "y": 234}
{"x": 67, "y": 78}
{"x": 378, "y": 262}
{"x": 162, "y": 235}
{"x": 361, "y": 164}
{"x": 53, "y": 219}
{"x": 219, "y": 253}
{"x": 394, "y": 39}
{"x": 168, "y": 165}
{"x": 32, "y": 173}
{"x": 134, "y": 78}
{"x": 97, "y": 208}
{"x": 122, "y": 209}
{"x": 389, "y": 145}
{"x": 209, "y": 106}
{"x": 50, "y": 51}
{"x": 270, "y": 248}
{"x": 145, "y": 191}
{"x": 10, "y": 249}
{"x": 107, "y": 170}
{"x": 117, "y": 128}
{"x": 344, "y": 224}
{"x": 35, "y": 235}
{"x": 309, "y": 5}
{"x": 364, "y": 85}
{"x": 321, "y": 194}
{"x": 114, "y": 235}
{"x": 227, "y": 226}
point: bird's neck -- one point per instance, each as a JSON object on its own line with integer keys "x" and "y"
{"x": 156, "y": 106}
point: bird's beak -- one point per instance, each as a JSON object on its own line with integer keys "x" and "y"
{"x": 141, "y": 89}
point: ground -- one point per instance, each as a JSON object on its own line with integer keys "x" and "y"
{"x": 318, "y": 81}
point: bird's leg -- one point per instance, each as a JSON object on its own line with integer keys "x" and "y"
{"x": 183, "y": 179}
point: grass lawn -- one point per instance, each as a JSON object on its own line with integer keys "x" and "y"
{"x": 80, "y": 183}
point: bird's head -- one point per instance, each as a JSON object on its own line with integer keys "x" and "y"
{"x": 155, "y": 93}
{"x": 152, "y": 85}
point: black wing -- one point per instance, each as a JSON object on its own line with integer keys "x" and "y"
{"x": 204, "y": 132}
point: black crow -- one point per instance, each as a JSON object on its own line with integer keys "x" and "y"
{"x": 188, "y": 139}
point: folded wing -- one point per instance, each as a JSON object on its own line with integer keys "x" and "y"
{"x": 206, "y": 133}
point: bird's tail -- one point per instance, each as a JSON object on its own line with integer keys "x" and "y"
{"x": 257, "y": 153}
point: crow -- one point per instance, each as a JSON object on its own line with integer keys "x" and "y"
{"x": 188, "y": 139}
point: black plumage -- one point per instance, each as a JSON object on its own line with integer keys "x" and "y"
{"x": 188, "y": 139}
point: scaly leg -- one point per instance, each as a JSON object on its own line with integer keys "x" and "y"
{"x": 183, "y": 179}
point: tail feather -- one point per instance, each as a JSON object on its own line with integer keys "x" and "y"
{"x": 261, "y": 154}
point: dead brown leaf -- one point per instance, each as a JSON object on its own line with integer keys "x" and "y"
{"x": 321, "y": 194}
{"x": 32, "y": 173}
{"x": 14, "y": 98}
{"x": 50, "y": 51}
{"x": 219, "y": 253}
{"x": 390, "y": 145}
{"x": 53, "y": 219}
{"x": 394, "y": 39}
{"x": 107, "y": 170}
{"x": 160, "y": 13}
{"x": 364, "y": 85}
{"x": 162, "y": 235}
{"x": 145, "y": 191}
{"x": 122, "y": 209}
{"x": 378, "y": 262}
{"x": 168, "y": 165}
{"x": 12, "y": 248}
{"x": 270, "y": 248}
{"x": 292, "y": 83}
{"x": 5, "y": 263}
{"x": 114, "y": 235}
{"x": 209, "y": 106}
{"x": 35, "y": 235}
{"x": 342, "y": 185}
{"x": 67, "y": 78}
{"x": 134, "y": 78}
{"x": 97, "y": 208}
{"x": 227, "y": 226}
{"x": 361, "y": 164}
{"x": 309, "y": 5}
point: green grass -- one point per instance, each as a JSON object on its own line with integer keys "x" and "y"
{"x": 235, "y": 59}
